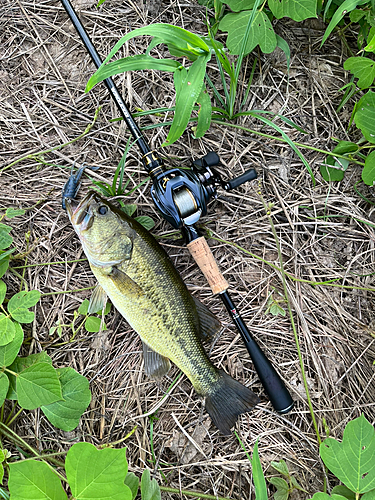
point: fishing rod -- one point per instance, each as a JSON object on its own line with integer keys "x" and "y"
{"x": 181, "y": 196}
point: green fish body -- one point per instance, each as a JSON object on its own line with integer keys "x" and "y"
{"x": 144, "y": 286}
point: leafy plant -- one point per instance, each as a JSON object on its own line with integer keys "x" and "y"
{"x": 284, "y": 487}
{"x": 363, "y": 68}
{"x": 273, "y": 304}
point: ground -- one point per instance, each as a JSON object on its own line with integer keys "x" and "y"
{"x": 325, "y": 232}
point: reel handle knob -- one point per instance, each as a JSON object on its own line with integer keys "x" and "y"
{"x": 249, "y": 175}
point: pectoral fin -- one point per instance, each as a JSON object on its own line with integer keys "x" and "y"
{"x": 156, "y": 365}
{"x": 125, "y": 284}
{"x": 210, "y": 326}
{"x": 98, "y": 300}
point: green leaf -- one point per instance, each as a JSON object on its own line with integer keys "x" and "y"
{"x": 298, "y": 10}
{"x": 1, "y": 473}
{"x": 343, "y": 491}
{"x": 282, "y": 488}
{"x": 5, "y": 239}
{"x": 146, "y": 221}
{"x": 325, "y": 496}
{"x": 4, "y": 264}
{"x": 92, "y": 324}
{"x": 84, "y": 307}
{"x": 370, "y": 495}
{"x": 19, "y": 364}
{"x": 7, "y": 330}
{"x": 132, "y": 482}
{"x": 31, "y": 480}
{"x": 149, "y": 487}
{"x": 20, "y": 302}
{"x": 365, "y": 116}
{"x": 204, "y": 114}
{"x": 9, "y": 351}
{"x": 344, "y": 8}
{"x": 129, "y": 209}
{"x": 353, "y": 460}
{"x": 368, "y": 172}
{"x": 258, "y": 476}
{"x": 131, "y": 63}
{"x": 281, "y": 467}
{"x": 346, "y": 147}
{"x": 356, "y": 15}
{"x": 238, "y": 5}
{"x": 190, "y": 89}
{"x": 4, "y": 386}
{"x": 3, "y": 291}
{"x": 336, "y": 172}
{"x": 370, "y": 47}
{"x": 14, "y": 212}
{"x": 90, "y": 471}
{"x": 38, "y": 385}
{"x": 261, "y": 32}
{"x": 283, "y": 45}
{"x": 65, "y": 414}
{"x": 362, "y": 68}
{"x": 276, "y": 309}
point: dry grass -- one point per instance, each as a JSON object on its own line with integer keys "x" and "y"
{"x": 326, "y": 232}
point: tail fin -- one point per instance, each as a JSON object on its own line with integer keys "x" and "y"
{"x": 227, "y": 400}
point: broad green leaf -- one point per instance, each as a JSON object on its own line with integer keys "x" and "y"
{"x": 92, "y": 324}
{"x": 146, "y": 221}
{"x": 336, "y": 171}
{"x": 3, "y": 291}
{"x": 149, "y": 487}
{"x": 20, "y": 302}
{"x": 190, "y": 89}
{"x": 346, "y": 147}
{"x": 261, "y": 32}
{"x": 84, "y": 307}
{"x": 356, "y": 15}
{"x": 325, "y": 496}
{"x": 14, "y": 212}
{"x": 4, "y": 386}
{"x": 5, "y": 239}
{"x": 276, "y": 309}
{"x": 344, "y": 8}
{"x": 7, "y": 330}
{"x": 132, "y": 482}
{"x": 32, "y": 480}
{"x": 258, "y": 476}
{"x": 298, "y": 10}
{"x": 282, "y": 488}
{"x": 9, "y": 351}
{"x": 90, "y": 471}
{"x": 20, "y": 364}
{"x": 38, "y": 385}
{"x": 365, "y": 116}
{"x": 343, "y": 491}
{"x": 353, "y": 460}
{"x": 362, "y": 68}
{"x": 4, "y": 264}
{"x": 370, "y": 47}
{"x": 281, "y": 467}
{"x": 1, "y": 473}
{"x": 65, "y": 414}
{"x": 370, "y": 495}
{"x": 238, "y": 5}
{"x": 204, "y": 114}
{"x": 129, "y": 209}
{"x": 368, "y": 172}
{"x": 131, "y": 63}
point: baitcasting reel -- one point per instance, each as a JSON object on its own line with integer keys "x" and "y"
{"x": 182, "y": 195}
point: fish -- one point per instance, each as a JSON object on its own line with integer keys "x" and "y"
{"x": 138, "y": 276}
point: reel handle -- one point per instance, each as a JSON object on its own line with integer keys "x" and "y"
{"x": 273, "y": 385}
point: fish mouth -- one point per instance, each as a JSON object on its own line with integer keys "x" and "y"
{"x": 80, "y": 214}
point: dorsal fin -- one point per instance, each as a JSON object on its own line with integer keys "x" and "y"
{"x": 156, "y": 365}
{"x": 210, "y": 325}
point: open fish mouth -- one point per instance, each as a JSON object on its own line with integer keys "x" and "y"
{"x": 80, "y": 214}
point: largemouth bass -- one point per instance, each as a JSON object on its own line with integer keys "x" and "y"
{"x": 144, "y": 286}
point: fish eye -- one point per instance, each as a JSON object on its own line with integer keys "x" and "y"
{"x": 102, "y": 210}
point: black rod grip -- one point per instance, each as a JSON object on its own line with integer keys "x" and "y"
{"x": 125, "y": 113}
{"x": 273, "y": 385}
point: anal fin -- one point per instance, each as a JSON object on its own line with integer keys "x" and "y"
{"x": 156, "y": 365}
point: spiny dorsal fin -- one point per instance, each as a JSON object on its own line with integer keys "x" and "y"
{"x": 210, "y": 325}
{"x": 98, "y": 300}
{"x": 156, "y": 365}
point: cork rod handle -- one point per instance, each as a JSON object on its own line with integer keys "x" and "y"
{"x": 202, "y": 255}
